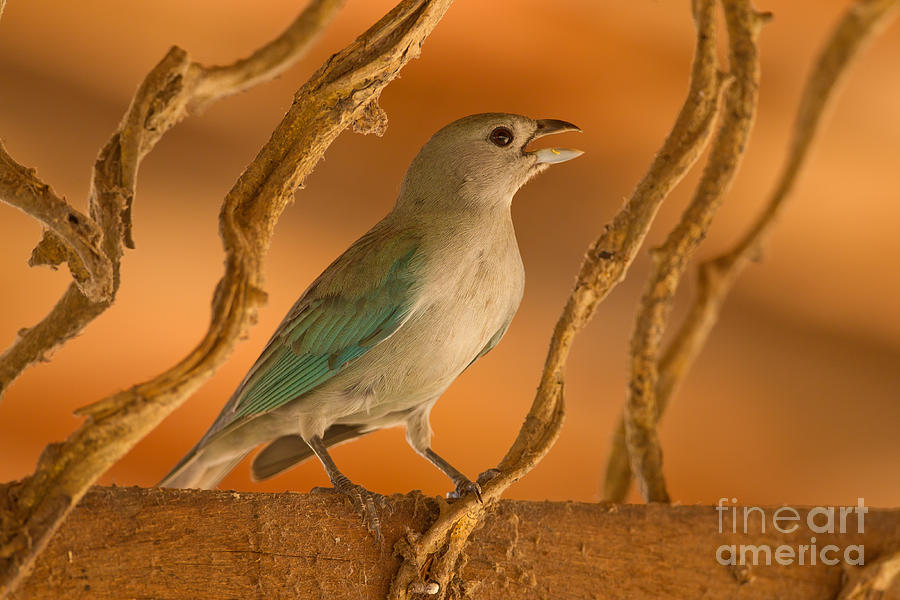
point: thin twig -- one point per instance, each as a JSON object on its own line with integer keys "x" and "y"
{"x": 862, "y": 21}
{"x": 70, "y": 237}
{"x": 432, "y": 557}
{"x": 173, "y": 87}
{"x": 670, "y": 260}
{"x": 268, "y": 61}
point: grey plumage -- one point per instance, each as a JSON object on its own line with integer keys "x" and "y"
{"x": 388, "y": 326}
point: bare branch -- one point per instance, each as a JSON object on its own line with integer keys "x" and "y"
{"x": 336, "y": 96}
{"x": 670, "y": 260}
{"x": 432, "y": 557}
{"x": 70, "y": 237}
{"x": 269, "y": 61}
{"x": 862, "y": 21}
{"x": 173, "y": 87}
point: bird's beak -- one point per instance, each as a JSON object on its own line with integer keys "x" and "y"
{"x": 554, "y": 155}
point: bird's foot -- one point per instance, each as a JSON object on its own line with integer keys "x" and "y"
{"x": 364, "y": 501}
{"x": 464, "y": 488}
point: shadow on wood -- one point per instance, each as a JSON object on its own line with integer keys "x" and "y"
{"x": 168, "y": 544}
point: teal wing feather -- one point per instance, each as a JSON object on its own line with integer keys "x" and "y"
{"x": 357, "y": 302}
{"x": 323, "y": 334}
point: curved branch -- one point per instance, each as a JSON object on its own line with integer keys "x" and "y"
{"x": 431, "y": 558}
{"x": 169, "y": 91}
{"x": 112, "y": 188}
{"x": 70, "y": 236}
{"x": 343, "y": 91}
{"x": 861, "y": 23}
{"x": 670, "y": 260}
{"x": 269, "y": 61}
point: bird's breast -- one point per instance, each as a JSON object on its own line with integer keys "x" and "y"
{"x": 468, "y": 291}
{"x": 474, "y": 291}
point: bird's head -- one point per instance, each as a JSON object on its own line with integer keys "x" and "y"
{"x": 480, "y": 161}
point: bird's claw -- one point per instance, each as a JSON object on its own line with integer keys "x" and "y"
{"x": 464, "y": 488}
{"x": 364, "y": 501}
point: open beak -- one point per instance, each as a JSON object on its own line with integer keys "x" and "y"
{"x": 554, "y": 155}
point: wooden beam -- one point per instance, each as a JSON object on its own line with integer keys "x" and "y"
{"x": 179, "y": 544}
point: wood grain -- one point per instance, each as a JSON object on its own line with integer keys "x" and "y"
{"x": 178, "y": 544}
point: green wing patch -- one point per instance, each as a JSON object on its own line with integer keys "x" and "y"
{"x": 327, "y": 334}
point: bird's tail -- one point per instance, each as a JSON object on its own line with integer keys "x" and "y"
{"x": 195, "y": 472}
{"x": 289, "y": 450}
{"x": 204, "y": 467}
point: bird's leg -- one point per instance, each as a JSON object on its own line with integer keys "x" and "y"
{"x": 361, "y": 497}
{"x": 463, "y": 484}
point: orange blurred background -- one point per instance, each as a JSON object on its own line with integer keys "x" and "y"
{"x": 795, "y": 398}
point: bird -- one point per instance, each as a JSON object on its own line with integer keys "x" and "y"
{"x": 375, "y": 340}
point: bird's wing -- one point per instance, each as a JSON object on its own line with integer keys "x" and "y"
{"x": 358, "y": 302}
{"x": 325, "y": 336}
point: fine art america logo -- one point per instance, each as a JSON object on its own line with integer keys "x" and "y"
{"x": 786, "y": 519}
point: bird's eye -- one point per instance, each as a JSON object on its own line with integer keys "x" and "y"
{"x": 501, "y": 136}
